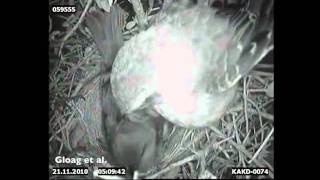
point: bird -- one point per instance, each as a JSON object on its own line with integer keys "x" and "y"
{"x": 105, "y": 28}
{"x": 191, "y": 60}
{"x": 136, "y": 145}
{"x": 183, "y": 68}
{"x": 130, "y": 140}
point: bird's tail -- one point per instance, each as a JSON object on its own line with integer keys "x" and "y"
{"x": 106, "y": 28}
{"x": 253, "y": 34}
{"x": 259, "y": 38}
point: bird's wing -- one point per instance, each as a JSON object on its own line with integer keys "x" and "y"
{"x": 253, "y": 36}
{"x": 106, "y": 29}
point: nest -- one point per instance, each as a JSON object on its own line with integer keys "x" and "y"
{"x": 244, "y": 137}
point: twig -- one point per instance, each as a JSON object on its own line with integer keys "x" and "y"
{"x": 208, "y": 136}
{"x": 61, "y": 145}
{"x": 242, "y": 149}
{"x": 263, "y": 114}
{"x": 246, "y": 137}
{"x": 257, "y": 90}
{"x": 71, "y": 84}
{"x": 262, "y": 73}
{"x": 67, "y": 123}
{"x": 188, "y": 159}
{"x": 235, "y": 129}
{"x": 86, "y": 82}
{"x": 185, "y": 136}
{"x": 173, "y": 165}
{"x": 175, "y": 150}
{"x": 264, "y": 66}
{"x": 56, "y": 137}
{"x": 239, "y": 147}
{"x": 260, "y": 79}
{"x": 259, "y": 114}
{"x": 173, "y": 129}
{"x": 74, "y": 27}
{"x": 267, "y": 103}
{"x": 267, "y": 116}
{"x": 245, "y": 104}
{"x": 224, "y": 152}
{"x": 262, "y": 145}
